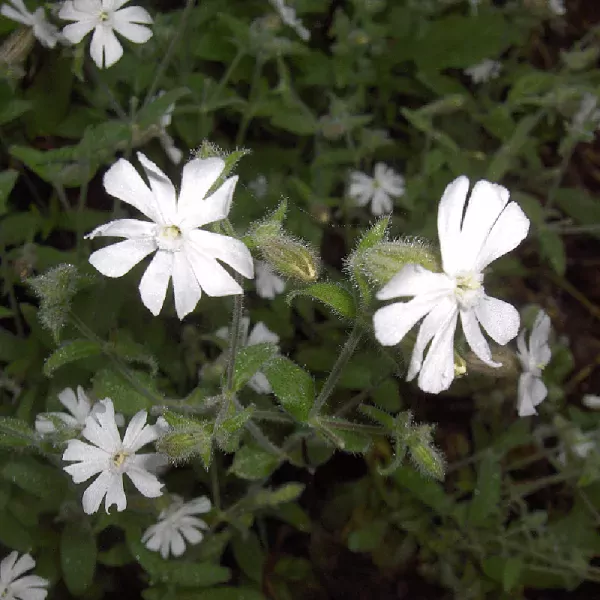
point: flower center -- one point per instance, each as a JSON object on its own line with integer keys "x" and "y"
{"x": 469, "y": 289}
{"x": 169, "y": 238}
{"x": 103, "y": 16}
{"x": 119, "y": 458}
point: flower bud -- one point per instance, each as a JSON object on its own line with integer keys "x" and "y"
{"x": 186, "y": 438}
{"x": 291, "y": 258}
{"x": 423, "y": 453}
{"x": 385, "y": 259}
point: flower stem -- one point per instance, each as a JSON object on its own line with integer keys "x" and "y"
{"x": 234, "y": 338}
{"x": 345, "y": 355}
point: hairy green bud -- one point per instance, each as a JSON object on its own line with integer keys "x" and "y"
{"x": 186, "y": 439}
{"x": 386, "y": 258}
{"x": 291, "y": 258}
{"x": 424, "y": 454}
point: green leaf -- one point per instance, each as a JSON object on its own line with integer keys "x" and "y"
{"x": 13, "y": 110}
{"x": 227, "y": 593}
{"x": 78, "y": 557}
{"x": 124, "y": 346}
{"x": 333, "y": 295}
{"x": 579, "y": 205}
{"x": 15, "y": 433}
{"x": 35, "y": 478}
{"x": 13, "y": 535}
{"x": 8, "y": 179}
{"x": 229, "y": 430}
{"x": 70, "y": 352}
{"x": 369, "y": 537}
{"x": 249, "y": 555}
{"x": 266, "y": 498}
{"x": 552, "y": 248}
{"x": 252, "y": 462}
{"x": 344, "y": 435}
{"x": 249, "y": 360}
{"x": 292, "y": 385}
{"x": 426, "y": 490}
{"x": 54, "y": 166}
{"x": 511, "y": 573}
{"x": 486, "y": 496}
{"x": 117, "y": 556}
{"x": 127, "y": 397}
{"x": 152, "y": 113}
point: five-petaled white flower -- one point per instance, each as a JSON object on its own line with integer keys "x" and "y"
{"x": 105, "y": 17}
{"x": 484, "y": 71}
{"x": 260, "y": 334}
{"x": 15, "y": 587}
{"x": 184, "y": 252}
{"x": 176, "y": 523}
{"x": 379, "y": 189}
{"x": 111, "y": 458}
{"x": 268, "y": 283}
{"x": 80, "y": 408}
{"x": 532, "y": 390}
{"x": 470, "y": 239}
{"x": 166, "y": 141}
{"x": 288, "y": 16}
{"x": 43, "y": 30}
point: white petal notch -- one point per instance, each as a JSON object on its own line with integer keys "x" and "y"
{"x": 473, "y": 231}
{"x": 186, "y": 254}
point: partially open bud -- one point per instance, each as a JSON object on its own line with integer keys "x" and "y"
{"x": 385, "y": 259}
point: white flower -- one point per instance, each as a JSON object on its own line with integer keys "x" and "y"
{"x": 378, "y": 190}
{"x": 578, "y": 443}
{"x": 176, "y": 523}
{"x": 532, "y": 390}
{"x": 166, "y": 141}
{"x": 491, "y": 227}
{"x": 80, "y": 408}
{"x": 184, "y": 252}
{"x": 111, "y": 458}
{"x": 591, "y": 401}
{"x": 587, "y": 118}
{"x": 288, "y": 16}
{"x": 259, "y": 334}
{"x": 15, "y": 587}
{"x": 105, "y": 17}
{"x": 259, "y": 186}
{"x": 268, "y": 283}
{"x": 557, "y": 7}
{"x": 484, "y": 71}
{"x": 44, "y": 31}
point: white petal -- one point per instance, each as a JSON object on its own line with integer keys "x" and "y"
{"x": 260, "y": 384}
{"x": 500, "y": 319}
{"x": 186, "y": 289}
{"x": 164, "y": 191}
{"x": 199, "y": 175}
{"x": 261, "y": 333}
{"x": 123, "y": 182}
{"x": 7, "y": 565}
{"x": 105, "y": 48}
{"x": 133, "y": 14}
{"x": 139, "y": 434}
{"x": 361, "y": 188}
{"x": 120, "y": 258}
{"x": 382, "y": 203}
{"x": 532, "y": 392}
{"x": 199, "y": 505}
{"x": 127, "y": 228}
{"x": 227, "y": 249}
{"x": 507, "y": 233}
{"x": 115, "y": 495}
{"x": 124, "y": 22}
{"x": 84, "y": 470}
{"x": 9, "y": 12}
{"x": 393, "y": 322}
{"x": 25, "y": 563}
{"x": 101, "y": 428}
{"x": 538, "y": 341}
{"x": 212, "y": 277}
{"x": 146, "y": 483}
{"x": 450, "y": 214}
{"x": 192, "y": 535}
{"x": 75, "y": 32}
{"x": 69, "y": 400}
{"x": 214, "y": 208}
{"x": 475, "y": 338}
{"x": 92, "y": 497}
{"x": 415, "y": 280}
{"x": 155, "y": 281}
{"x": 437, "y": 372}
{"x": 432, "y": 323}
{"x": 486, "y": 204}
{"x": 177, "y": 543}
{"x": 175, "y": 154}
{"x": 30, "y": 587}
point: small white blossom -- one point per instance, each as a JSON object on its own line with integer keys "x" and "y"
{"x": 578, "y": 443}
{"x": 379, "y": 189}
{"x": 110, "y": 458}
{"x": 184, "y": 252}
{"x": 259, "y": 334}
{"x": 587, "y": 118}
{"x": 591, "y": 401}
{"x": 268, "y": 283}
{"x": 166, "y": 141}
{"x": 259, "y": 186}
{"x": 44, "y": 31}
{"x": 177, "y": 524}
{"x": 484, "y": 71}
{"x": 105, "y": 17}
{"x": 78, "y": 405}
{"x": 15, "y": 587}
{"x": 470, "y": 239}
{"x": 534, "y": 358}
{"x": 288, "y": 16}
{"x": 557, "y": 7}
